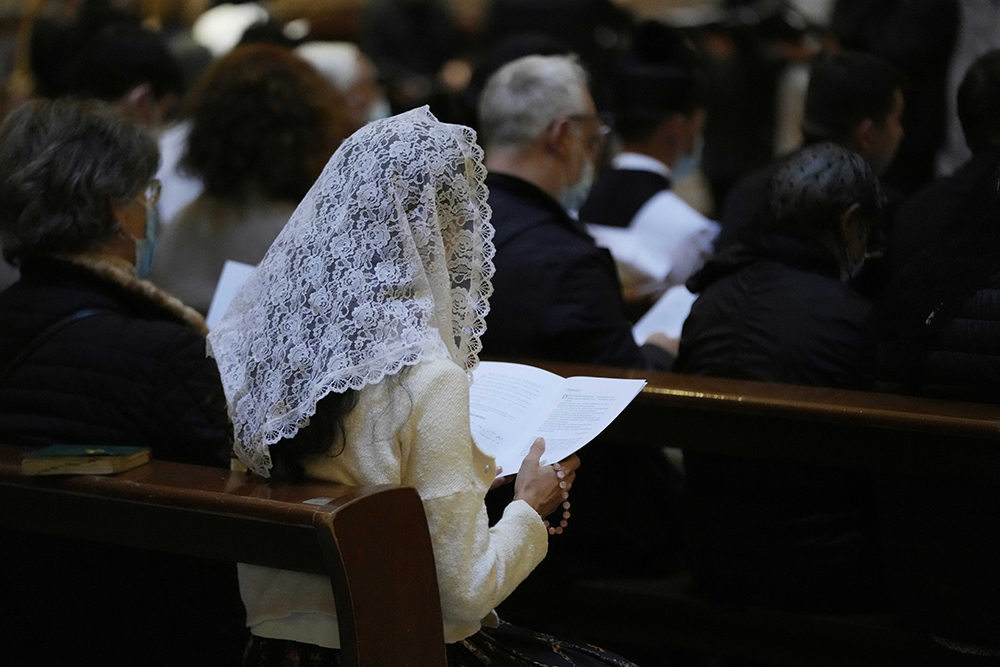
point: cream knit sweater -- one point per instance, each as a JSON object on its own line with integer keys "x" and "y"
{"x": 412, "y": 430}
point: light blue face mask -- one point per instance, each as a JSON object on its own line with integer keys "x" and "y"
{"x": 379, "y": 109}
{"x": 686, "y": 165}
{"x": 145, "y": 248}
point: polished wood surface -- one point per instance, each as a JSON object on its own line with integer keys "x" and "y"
{"x": 840, "y": 405}
{"x": 372, "y": 542}
{"x": 880, "y": 433}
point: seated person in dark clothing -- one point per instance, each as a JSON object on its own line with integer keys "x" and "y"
{"x": 659, "y": 115}
{"x": 941, "y": 211}
{"x": 778, "y": 310}
{"x": 555, "y": 293}
{"x": 854, "y": 100}
{"x": 92, "y": 354}
{"x": 938, "y": 332}
{"x": 556, "y": 296}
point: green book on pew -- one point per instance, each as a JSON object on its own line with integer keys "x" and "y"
{"x": 83, "y": 459}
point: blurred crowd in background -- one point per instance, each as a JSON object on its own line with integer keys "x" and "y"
{"x": 387, "y": 56}
{"x": 153, "y": 59}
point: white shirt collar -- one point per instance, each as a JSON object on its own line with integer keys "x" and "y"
{"x": 640, "y": 162}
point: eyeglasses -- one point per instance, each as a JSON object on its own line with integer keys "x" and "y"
{"x": 151, "y": 194}
{"x": 605, "y": 122}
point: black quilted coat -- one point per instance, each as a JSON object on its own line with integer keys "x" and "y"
{"x": 939, "y": 331}
{"x": 135, "y": 373}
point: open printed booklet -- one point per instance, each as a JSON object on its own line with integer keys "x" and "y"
{"x": 512, "y": 404}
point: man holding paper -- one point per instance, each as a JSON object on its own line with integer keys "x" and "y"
{"x": 657, "y": 239}
{"x": 556, "y": 294}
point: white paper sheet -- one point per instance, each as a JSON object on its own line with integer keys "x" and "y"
{"x": 667, "y": 315}
{"x": 634, "y": 251}
{"x": 512, "y": 404}
{"x": 234, "y": 274}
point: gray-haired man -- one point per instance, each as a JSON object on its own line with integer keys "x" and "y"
{"x": 556, "y": 294}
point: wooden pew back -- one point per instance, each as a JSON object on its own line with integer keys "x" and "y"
{"x": 885, "y": 433}
{"x": 372, "y": 542}
{"x": 870, "y": 432}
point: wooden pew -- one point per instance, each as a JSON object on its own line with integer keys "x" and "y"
{"x": 871, "y": 432}
{"x": 860, "y": 430}
{"x": 372, "y": 542}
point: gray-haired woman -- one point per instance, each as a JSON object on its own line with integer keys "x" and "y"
{"x": 77, "y": 215}
{"x": 92, "y": 354}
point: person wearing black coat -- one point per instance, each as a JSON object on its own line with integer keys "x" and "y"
{"x": 778, "y": 310}
{"x": 132, "y": 372}
{"x": 556, "y": 294}
{"x": 936, "y": 328}
{"x": 556, "y": 297}
{"x": 945, "y": 209}
{"x": 938, "y": 332}
{"x": 92, "y": 354}
{"x": 775, "y": 310}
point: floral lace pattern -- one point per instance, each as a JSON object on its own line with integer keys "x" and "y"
{"x": 386, "y": 262}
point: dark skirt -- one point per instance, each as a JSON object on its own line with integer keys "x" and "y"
{"x": 506, "y": 646}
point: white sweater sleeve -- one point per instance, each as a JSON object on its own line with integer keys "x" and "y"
{"x": 477, "y": 566}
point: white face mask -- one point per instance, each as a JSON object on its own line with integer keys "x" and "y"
{"x": 574, "y": 196}
{"x": 686, "y": 165}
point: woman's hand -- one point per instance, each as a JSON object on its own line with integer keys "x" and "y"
{"x": 544, "y": 487}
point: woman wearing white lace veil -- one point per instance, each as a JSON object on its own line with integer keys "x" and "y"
{"x": 345, "y": 357}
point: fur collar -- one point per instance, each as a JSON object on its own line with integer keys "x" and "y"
{"x": 123, "y": 275}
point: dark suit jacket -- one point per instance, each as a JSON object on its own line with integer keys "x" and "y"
{"x": 555, "y": 293}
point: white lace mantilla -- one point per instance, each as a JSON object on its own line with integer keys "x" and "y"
{"x": 386, "y": 262}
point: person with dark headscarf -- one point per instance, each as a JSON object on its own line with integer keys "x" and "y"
{"x": 778, "y": 310}
{"x": 854, "y": 100}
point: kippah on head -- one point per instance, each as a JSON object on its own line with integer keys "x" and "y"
{"x": 655, "y": 78}
{"x": 657, "y": 75}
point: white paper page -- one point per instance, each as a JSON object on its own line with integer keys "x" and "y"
{"x": 633, "y": 250}
{"x": 667, "y": 315}
{"x": 586, "y": 407}
{"x": 234, "y": 274}
{"x": 505, "y": 400}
